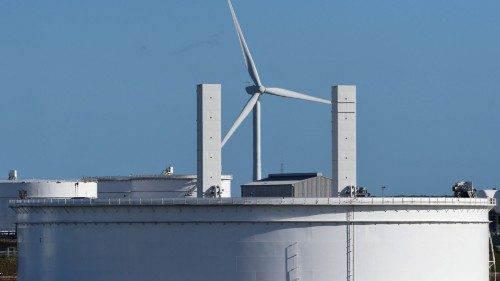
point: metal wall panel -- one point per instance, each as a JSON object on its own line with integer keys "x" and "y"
{"x": 267, "y": 191}
{"x": 315, "y": 187}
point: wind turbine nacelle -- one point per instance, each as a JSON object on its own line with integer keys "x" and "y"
{"x": 255, "y": 89}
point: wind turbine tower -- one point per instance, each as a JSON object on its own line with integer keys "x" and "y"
{"x": 256, "y": 91}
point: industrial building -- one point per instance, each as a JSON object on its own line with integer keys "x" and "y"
{"x": 254, "y": 238}
{"x": 290, "y": 185}
{"x": 288, "y": 227}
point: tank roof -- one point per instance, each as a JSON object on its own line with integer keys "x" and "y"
{"x": 147, "y": 177}
{"x": 41, "y": 181}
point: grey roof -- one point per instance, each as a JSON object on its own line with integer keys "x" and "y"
{"x": 283, "y": 179}
{"x": 259, "y": 183}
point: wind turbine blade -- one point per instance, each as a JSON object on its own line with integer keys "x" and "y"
{"x": 294, "y": 95}
{"x": 244, "y": 113}
{"x": 252, "y": 70}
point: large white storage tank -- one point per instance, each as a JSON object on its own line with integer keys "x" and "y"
{"x": 15, "y": 189}
{"x": 153, "y": 186}
{"x": 254, "y": 239}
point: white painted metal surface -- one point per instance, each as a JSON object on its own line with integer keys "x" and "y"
{"x": 343, "y": 136}
{"x": 154, "y": 186}
{"x": 490, "y": 193}
{"x": 254, "y": 239}
{"x": 209, "y": 165}
{"x": 13, "y": 189}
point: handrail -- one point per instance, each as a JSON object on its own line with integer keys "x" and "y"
{"x": 259, "y": 201}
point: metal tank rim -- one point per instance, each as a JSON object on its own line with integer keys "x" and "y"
{"x": 374, "y": 201}
{"x": 47, "y": 181}
{"x": 255, "y": 233}
{"x": 148, "y": 177}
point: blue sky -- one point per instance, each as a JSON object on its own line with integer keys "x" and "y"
{"x": 108, "y": 87}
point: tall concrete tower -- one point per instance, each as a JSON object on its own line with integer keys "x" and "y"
{"x": 208, "y": 121}
{"x": 344, "y": 136}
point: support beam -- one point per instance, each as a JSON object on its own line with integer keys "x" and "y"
{"x": 208, "y": 121}
{"x": 343, "y": 137}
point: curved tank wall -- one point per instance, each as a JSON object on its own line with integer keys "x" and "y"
{"x": 13, "y": 189}
{"x": 156, "y": 186}
{"x": 490, "y": 193}
{"x": 254, "y": 239}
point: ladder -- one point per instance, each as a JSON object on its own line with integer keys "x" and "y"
{"x": 492, "y": 260}
{"x": 350, "y": 243}
{"x": 292, "y": 262}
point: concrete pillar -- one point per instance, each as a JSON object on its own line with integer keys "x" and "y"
{"x": 208, "y": 121}
{"x": 343, "y": 136}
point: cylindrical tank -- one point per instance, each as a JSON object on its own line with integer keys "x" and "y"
{"x": 154, "y": 186}
{"x": 490, "y": 193}
{"x": 15, "y": 189}
{"x": 254, "y": 239}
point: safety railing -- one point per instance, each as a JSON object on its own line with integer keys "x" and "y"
{"x": 260, "y": 201}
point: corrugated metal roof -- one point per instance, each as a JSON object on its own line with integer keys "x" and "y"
{"x": 291, "y": 176}
{"x": 284, "y": 179}
{"x": 258, "y": 183}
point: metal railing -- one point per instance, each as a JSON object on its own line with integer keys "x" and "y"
{"x": 9, "y": 252}
{"x": 259, "y": 201}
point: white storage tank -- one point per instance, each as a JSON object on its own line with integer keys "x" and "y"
{"x": 31, "y": 189}
{"x": 166, "y": 185}
{"x": 490, "y": 193}
{"x": 254, "y": 239}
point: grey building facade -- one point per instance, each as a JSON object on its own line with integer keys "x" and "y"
{"x": 290, "y": 185}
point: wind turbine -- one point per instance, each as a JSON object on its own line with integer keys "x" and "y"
{"x": 256, "y": 91}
